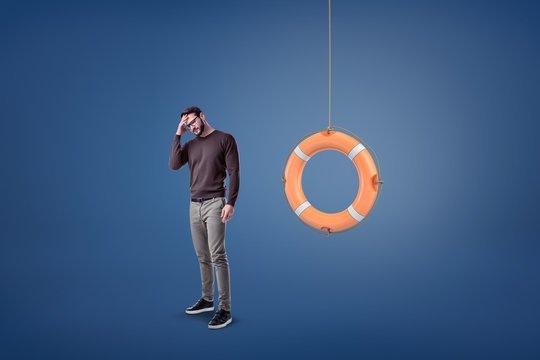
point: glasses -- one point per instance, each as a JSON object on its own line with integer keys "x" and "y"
{"x": 192, "y": 122}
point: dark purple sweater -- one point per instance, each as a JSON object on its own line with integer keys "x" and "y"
{"x": 208, "y": 158}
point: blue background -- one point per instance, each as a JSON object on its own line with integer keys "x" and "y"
{"x": 96, "y": 256}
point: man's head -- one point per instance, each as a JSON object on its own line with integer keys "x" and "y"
{"x": 195, "y": 120}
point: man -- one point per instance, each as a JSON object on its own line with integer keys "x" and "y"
{"x": 209, "y": 154}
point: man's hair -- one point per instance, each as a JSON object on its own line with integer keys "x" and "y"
{"x": 192, "y": 110}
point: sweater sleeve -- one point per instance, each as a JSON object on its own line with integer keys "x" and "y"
{"x": 179, "y": 155}
{"x": 232, "y": 162}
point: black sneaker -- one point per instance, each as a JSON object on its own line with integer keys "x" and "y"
{"x": 221, "y": 319}
{"x": 201, "y": 306}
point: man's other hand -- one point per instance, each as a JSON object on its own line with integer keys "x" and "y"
{"x": 227, "y": 213}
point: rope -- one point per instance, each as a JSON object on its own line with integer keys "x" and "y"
{"x": 328, "y": 231}
{"x": 329, "y": 63}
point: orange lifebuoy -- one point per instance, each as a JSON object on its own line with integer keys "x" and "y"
{"x": 367, "y": 184}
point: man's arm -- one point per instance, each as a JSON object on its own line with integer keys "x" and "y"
{"x": 178, "y": 156}
{"x": 232, "y": 162}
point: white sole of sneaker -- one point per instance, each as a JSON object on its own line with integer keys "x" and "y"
{"x": 220, "y": 326}
{"x": 191, "y": 312}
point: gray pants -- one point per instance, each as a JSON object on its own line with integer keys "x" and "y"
{"x": 208, "y": 234}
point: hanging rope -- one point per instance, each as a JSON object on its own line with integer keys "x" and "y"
{"x": 380, "y": 182}
{"x": 329, "y": 63}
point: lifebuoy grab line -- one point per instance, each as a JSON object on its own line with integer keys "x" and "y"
{"x": 368, "y": 175}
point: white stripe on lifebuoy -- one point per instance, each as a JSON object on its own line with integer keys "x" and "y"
{"x": 354, "y": 214}
{"x": 355, "y": 151}
{"x": 301, "y": 208}
{"x": 301, "y": 154}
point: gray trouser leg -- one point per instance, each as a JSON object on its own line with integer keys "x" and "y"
{"x": 208, "y": 234}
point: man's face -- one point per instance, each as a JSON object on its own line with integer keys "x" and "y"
{"x": 194, "y": 124}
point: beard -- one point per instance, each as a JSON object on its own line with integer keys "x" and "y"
{"x": 201, "y": 130}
